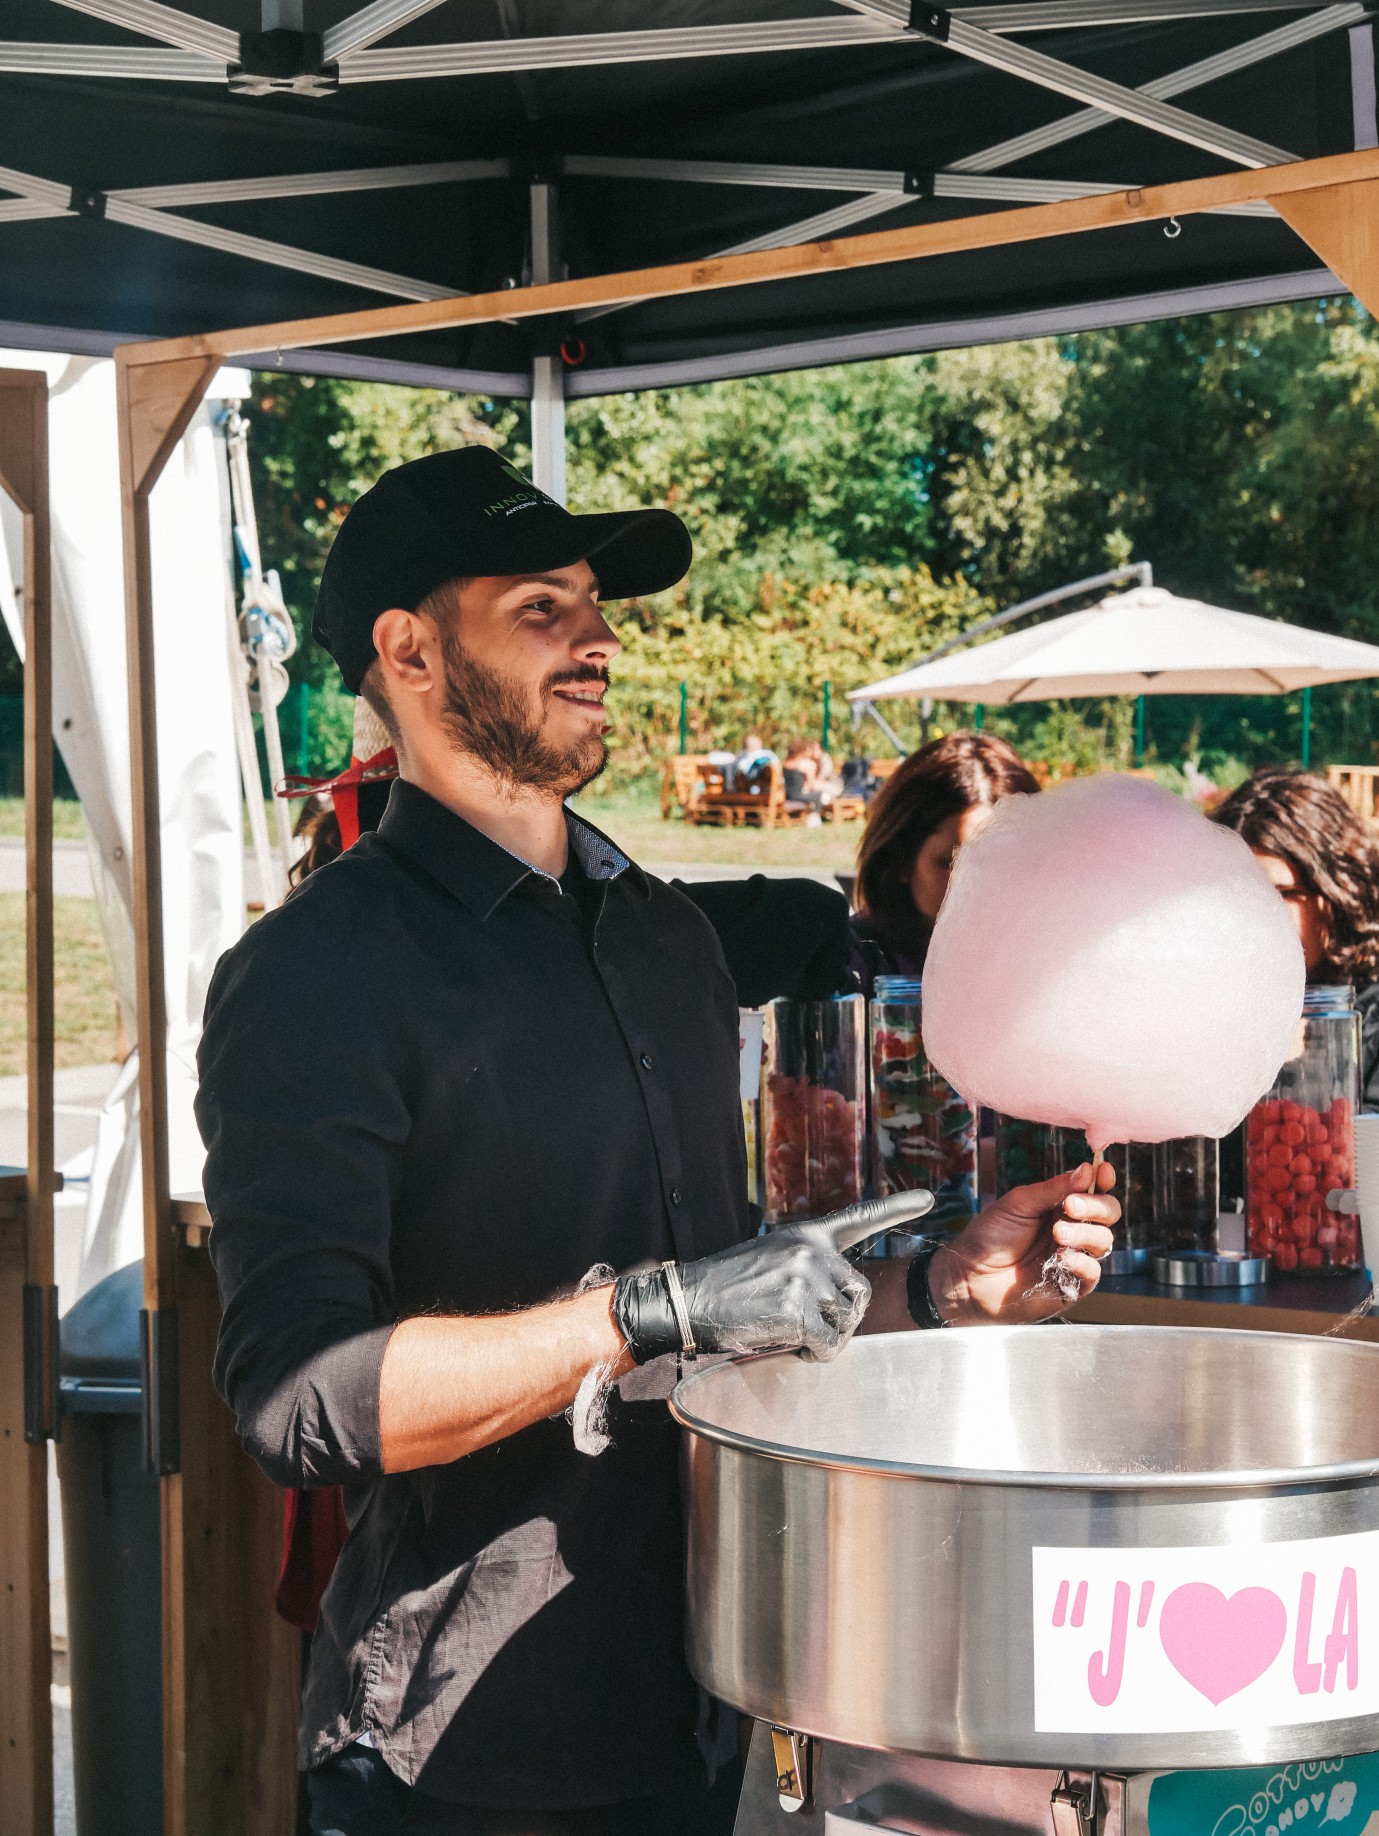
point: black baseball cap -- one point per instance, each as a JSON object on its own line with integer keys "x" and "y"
{"x": 469, "y": 512}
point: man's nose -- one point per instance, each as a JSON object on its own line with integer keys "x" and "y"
{"x": 595, "y": 641}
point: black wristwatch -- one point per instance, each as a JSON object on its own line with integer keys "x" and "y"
{"x": 918, "y": 1298}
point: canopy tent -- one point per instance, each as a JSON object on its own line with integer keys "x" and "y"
{"x": 1145, "y": 642}
{"x": 249, "y": 160}
{"x": 560, "y": 173}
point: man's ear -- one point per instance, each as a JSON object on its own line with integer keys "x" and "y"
{"x": 408, "y": 649}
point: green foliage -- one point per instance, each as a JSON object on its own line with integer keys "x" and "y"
{"x": 846, "y": 520}
{"x": 766, "y": 671}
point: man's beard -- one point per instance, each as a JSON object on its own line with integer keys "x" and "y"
{"x": 489, "y": 716}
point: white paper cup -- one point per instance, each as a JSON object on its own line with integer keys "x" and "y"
{"x": 1367, "y": 1187}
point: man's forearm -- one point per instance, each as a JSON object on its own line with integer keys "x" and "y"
{"x": 451, "y": 1385}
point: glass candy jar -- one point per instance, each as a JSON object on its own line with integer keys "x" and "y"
{"x": 813, "y": 1106}
{"x": 1187, "y": 1192}
{"x": 923, "y": 1134}
{"x": 1028, "y": 1152}
{"x": 1300, "y": 1144}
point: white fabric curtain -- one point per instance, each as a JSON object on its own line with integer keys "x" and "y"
{"x": 202, "y": 846}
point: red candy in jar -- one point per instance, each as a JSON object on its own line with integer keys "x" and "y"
{"x": 1300, "y": 1146}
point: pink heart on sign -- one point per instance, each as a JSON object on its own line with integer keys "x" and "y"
{"x": 1220, "y": 1645}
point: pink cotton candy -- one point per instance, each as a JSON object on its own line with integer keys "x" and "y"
{"x": 1108, "y": 959}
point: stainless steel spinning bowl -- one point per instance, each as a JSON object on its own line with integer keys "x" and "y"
{"x": 861, "y": 1533}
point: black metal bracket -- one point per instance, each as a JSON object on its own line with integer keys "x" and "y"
{"x": 929, "y": 21}
{"x": 42, "y": 1375}
{"x": 282, "y": 60}
{"x": 86, "y": 203}
{"x": 919, "y": 184}
{"x": 161, "y": 1414}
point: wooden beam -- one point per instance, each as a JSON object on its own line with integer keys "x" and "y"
{"x": 1341, "y": 222}
{"x": 155, "y": 407}
{"x": 27, "y": 1297}
{"x": 995, "y": 229}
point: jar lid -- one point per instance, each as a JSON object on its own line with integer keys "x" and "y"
{"x": 1328, "y": 998}
{"x": 895, "y": 988}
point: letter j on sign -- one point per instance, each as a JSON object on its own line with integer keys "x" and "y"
{"x": 1185, "y": 1640}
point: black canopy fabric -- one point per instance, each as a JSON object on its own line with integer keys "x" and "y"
{"x": 644, "y": 162}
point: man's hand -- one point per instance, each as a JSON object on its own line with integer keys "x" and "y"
{"x": 790, "y": 1290}
{"x": 994, "y": 1270}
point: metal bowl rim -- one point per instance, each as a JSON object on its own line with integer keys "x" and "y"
{"x": 1306, "y": 1478}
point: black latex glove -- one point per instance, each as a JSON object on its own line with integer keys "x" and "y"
{"x": 788, "y": 1291}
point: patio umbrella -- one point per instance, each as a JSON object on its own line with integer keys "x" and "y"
{"x": 1145, "y": 642}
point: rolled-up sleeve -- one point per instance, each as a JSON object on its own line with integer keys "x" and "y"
{"x": 302, "y": 1113}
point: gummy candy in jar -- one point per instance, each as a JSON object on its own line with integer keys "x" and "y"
{"x": 924, "y": 1135}
{"x": 1300, "y": 1145}
{"x": 813, "y": 1106}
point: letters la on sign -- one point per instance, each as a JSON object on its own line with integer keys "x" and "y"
{"x": 1187, "y": 1640}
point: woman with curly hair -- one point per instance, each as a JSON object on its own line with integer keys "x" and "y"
{"x": 939, "y": 798}
{"x": 1324, "y": 859}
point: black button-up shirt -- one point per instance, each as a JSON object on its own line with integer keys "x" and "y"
{"x": 436, "y": 1081}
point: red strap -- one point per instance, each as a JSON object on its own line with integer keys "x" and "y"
{"x": 344, "y": 789}
{"x": 314, "y": 1532}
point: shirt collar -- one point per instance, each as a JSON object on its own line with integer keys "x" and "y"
{"x": 477, "y": 870}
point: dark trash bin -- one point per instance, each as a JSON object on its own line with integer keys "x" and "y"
{"x": 111, "y": 1537}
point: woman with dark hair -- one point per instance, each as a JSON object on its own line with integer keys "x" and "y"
{"x": 1324, "y": 859}
{"x": 939, "y": 798}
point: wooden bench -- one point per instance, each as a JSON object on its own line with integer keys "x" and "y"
{"x": 683, "y": 782}
{"x": 1356, "y": 785}
{"x": 701, "y": 791}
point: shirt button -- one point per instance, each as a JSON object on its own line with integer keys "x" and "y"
{"x": 646, "y": 1061}
{"x": 675, "y": 1195}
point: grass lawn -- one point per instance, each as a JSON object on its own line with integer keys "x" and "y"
{"x": 633, "y": 819}
{"x": 66, "y": 818}
{"x": 85, "y": 994}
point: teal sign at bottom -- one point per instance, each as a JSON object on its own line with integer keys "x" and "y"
{"x": 1338, "y": 1797}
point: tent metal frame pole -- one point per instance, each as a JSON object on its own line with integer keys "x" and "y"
{"x": 548, "y": 369}
{"x": 169, "y": 23}
{"x": 1134, "y": 105}
{"x": 969, "y": 177}
{"x": 907, "y": 187}
{"x": 140, "y": 207}
{"x": 29, "y": 1406}
{"x": 1174, "y": 83}
{"x": 369, "y": 24}
{"x": 123, "y": 209}
{"x": 205, "y": 51}
{"x": 1364, "y": 106}
{"x": 130, "y": 63}
{"x": 572, "y": 50}
{"x": 315, "y": 184}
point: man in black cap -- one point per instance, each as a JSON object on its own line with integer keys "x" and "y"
{"x": 466, "y": 1073}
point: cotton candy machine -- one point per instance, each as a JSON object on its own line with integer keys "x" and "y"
{"x": 1095, "y": 1551}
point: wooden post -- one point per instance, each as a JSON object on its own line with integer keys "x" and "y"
{"x": 230, "y": 1667}
{"x": 28, "y": 1299}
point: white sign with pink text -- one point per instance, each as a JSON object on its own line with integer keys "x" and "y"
{"x": 1186, "y": 1640}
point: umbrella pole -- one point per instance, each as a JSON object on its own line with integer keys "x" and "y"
{"x": 1139, "y": 731}
{"x": 1306, "y": 728}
